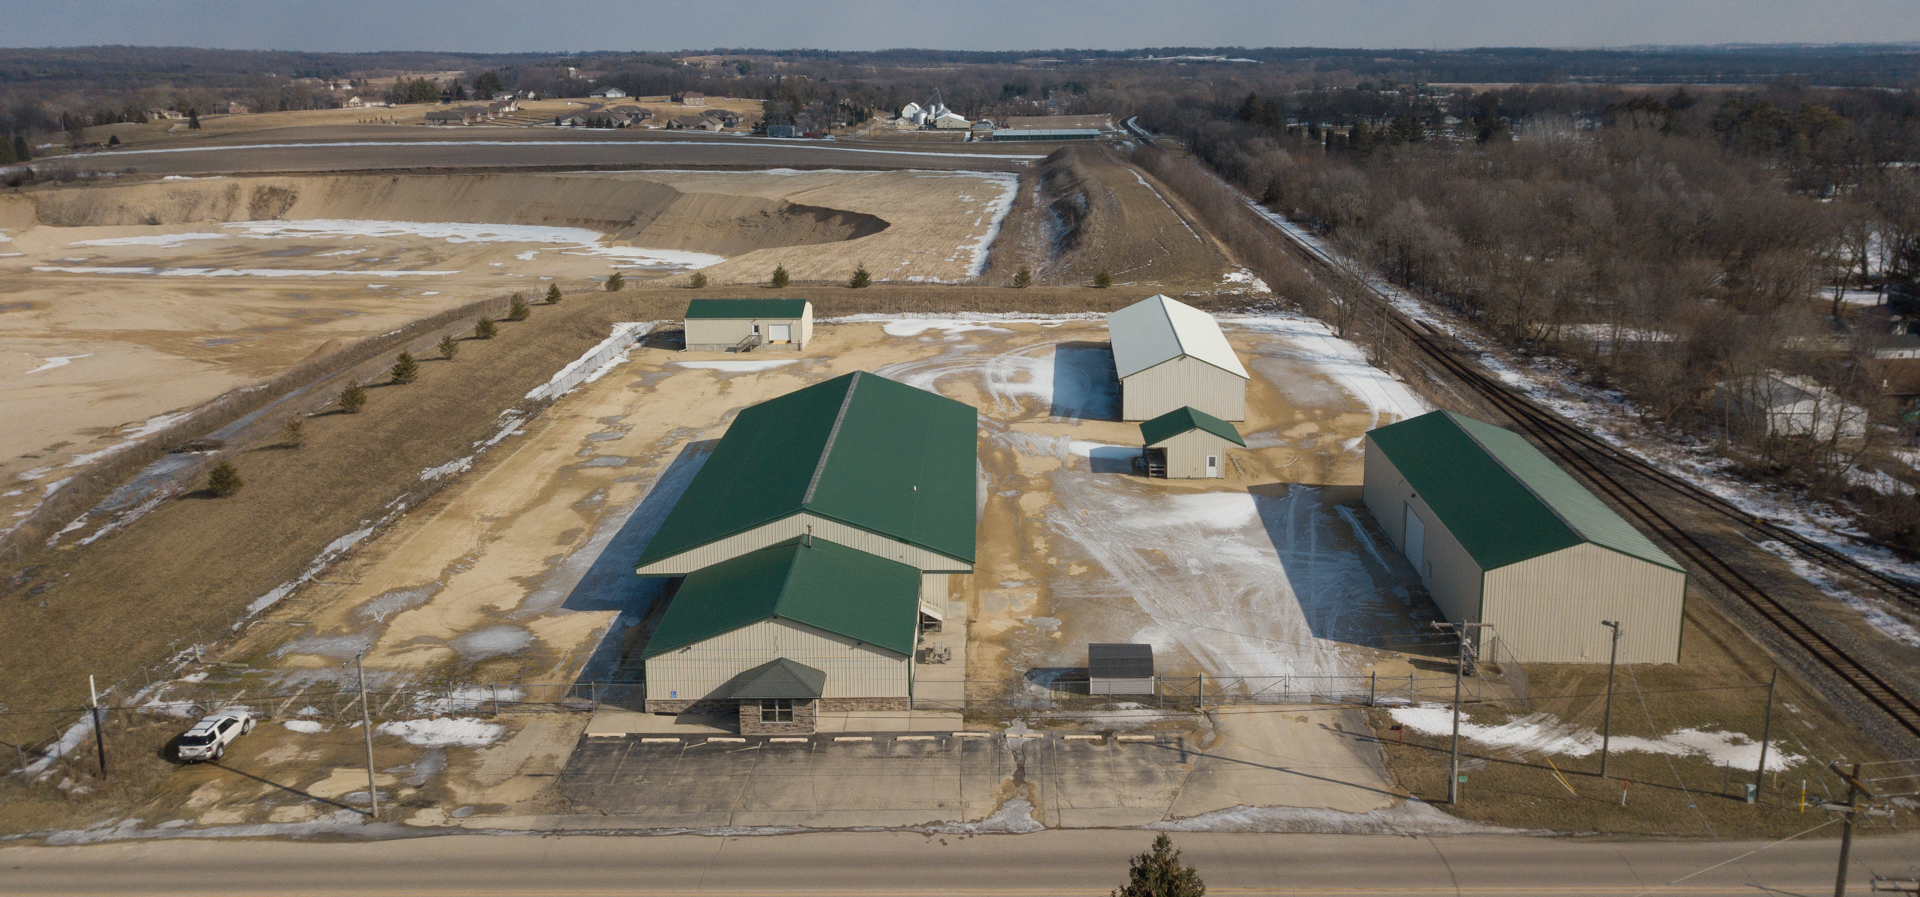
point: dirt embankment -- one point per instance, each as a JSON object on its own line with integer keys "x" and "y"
{"x": 1088, "y": 212}
{"x": 638, "y": 211}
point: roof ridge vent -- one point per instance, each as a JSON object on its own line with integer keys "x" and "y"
{"x": 826, "y": 451}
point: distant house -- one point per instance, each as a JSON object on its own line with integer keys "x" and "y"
{"x": 238, "y": 109}
{"x": 353, "y": 103}
{"x": 690, "y": 98}
{"x": 165, "y": 115}
{"x": 576, "y": 120}
{"x": 626, "y": 116}
{"x": 608, "y": 93}
{"x": 458, "y": 115}
{"x": 503, "y": 106}
{"x": 726, "y": 117}
{"x": 782, "y": 131}
{"x": 1779, "y": 405}
{"x": 693, "y": 123}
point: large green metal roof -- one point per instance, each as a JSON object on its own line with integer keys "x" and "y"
{"x": 1181, "y": 420}
{"x": 732, "y": 309}
{"x": 859, "y": 449}
{"x": 842, "y": 590}
{"x": 1504, "y": 500}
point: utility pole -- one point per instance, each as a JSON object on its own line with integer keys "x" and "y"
{"x": 99, "y": 739}
{"x": 1766, "y": 734}
{"x": 366, "y": 725}
{"x": 1462, "y": 631}
{"x": 1606, "y": 727}
{"x": 1855, "y": 789}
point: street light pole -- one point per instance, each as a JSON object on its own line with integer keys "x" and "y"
{"x": 1606, "y": 726}
{"x": 366, "y": 725}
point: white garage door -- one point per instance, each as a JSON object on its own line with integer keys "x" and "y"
{"x": 780, "y": 333}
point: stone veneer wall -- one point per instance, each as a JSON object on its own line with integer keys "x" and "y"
{"x": 841, "y": 705}
{"x": 805, "y": 718}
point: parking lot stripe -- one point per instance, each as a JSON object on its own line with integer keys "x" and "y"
{"x": 971, "y": 734}
{"x": 1133, "y": 738}
{"x": 853, "y": 738}
{"x": 1023, "y": 735}
{"x": 724, "y": 740}
{"x": 789, "y": 740}
{"x": 914, "y": 738}
{"x": 659, "y": 741}
{"x": 1083, "y": 738}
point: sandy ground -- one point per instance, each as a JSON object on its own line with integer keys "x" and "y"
{"x": 109, "y": 328}
{"x": 518, "y": 578}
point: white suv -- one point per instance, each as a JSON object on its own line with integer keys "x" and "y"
{"x": 208, "y": 739}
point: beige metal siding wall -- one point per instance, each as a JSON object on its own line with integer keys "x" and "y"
{"x": 1455, "y": 580}
{"x": 719, "y": 334}
{"x": 1183, "y": 383}
{"x": 1548, "y": 609}
{"x": 1187, "y": 454}
{"x": 853, "y": 670}
{"x": 796, "y": 525}
{"x": 934, "y": 589}
{"x": 805, "y": 327}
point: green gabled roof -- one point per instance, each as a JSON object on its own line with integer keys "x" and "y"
{"x": 1504, "y": 500}
{"x": 1181, "y": 420}
{"x": 731, "y": 309}
{"x": 860, "y": 449}
{"x": 841, "y": 590}
{"x": 777, "y": 678}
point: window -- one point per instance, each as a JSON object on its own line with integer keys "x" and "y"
{"x": 776, "y": 710}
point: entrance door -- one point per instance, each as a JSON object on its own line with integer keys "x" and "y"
{"x": 1416, "y": 542}
{"x": 1213, "y": 465}
{"x": 780, "y": 333}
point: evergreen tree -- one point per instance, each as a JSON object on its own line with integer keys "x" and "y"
{"x": 780, "y": 278}
{"x": 698, "y": 281}
{"x": 293, "y": 431}
{"x": 1022, "y": 278}
{"x": 517, "y": 308}
{"x": 113, "y": 140}
{"x": 615, "y": 281}
{"x": 224, "y": 479}
{"x": 485, "y": 328}
{"x": 1159, "y": 873}
{"x": 405, "y": 369}
{"x": 1250, "y": 108}
{"x": 193, "y": 119}
{"x": 353, "y": 398}
{"x": 1102, "y": 280}
{"x": 553, "y": 294}
{"x": 487, "y": 85}
{"x": 860, "y": 278}
{"x": 449, "y": 347}
{"x": 6, "y": 153}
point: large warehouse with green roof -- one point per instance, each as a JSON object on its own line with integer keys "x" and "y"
{"x": 719, "y": 325}
{"x": 1502, "y": 535}
{"x": 825, "y": 529}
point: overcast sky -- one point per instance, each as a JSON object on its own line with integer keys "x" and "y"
{"x": 495, "y": 25}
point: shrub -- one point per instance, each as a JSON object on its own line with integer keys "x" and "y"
{"x": 780, "y": 278}
{"x": 485, "y": 328}
{"x": 518, "y": 309}
{"x": 698, "y": 281}
{"x": 553, "y": 294}
{"x": 616, "y": 281}
{"x": 449, "y": 347}
{"x": 1159, "y": 873}
{"x": 353, "y": 398}
{"x": 1022, "y": 278}
{"x": 224, "y": 479}
{"x": 860, "y": 278}
{"x": 293, "y": 431}
{"x": 405, "y": 369}
{"x": 1102, "y": 280}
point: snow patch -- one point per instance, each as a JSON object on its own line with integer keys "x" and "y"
{"x": 446, "y": 731}
{"x": 737, "y": 367}
{"x": 1411, "y": 817}
{"x": 58, "y": 361}
{"x": 304, "y": 726}
{"x": 1543, "y": 733}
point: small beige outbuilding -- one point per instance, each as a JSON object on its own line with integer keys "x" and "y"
{"x": 777, "y": 325}
{"x": 1170, "y": 355}
{"x": 1187, "y": 443}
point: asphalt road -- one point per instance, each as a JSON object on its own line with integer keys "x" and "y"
{"x": 369, "y": 148}
{"x": 1052, "y": 862}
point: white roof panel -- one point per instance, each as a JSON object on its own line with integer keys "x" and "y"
{"x": 1159, "y": 329}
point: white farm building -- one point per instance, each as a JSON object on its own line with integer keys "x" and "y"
{"x": 1170, "y": 355}
{"x": 1500, "y": 534}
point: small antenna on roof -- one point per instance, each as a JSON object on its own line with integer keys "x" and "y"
{"x": 809, "y": 535}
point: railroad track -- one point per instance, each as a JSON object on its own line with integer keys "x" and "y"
{"x": 1577, "y": 449}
